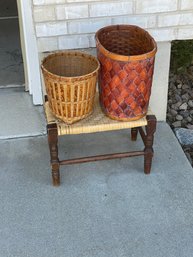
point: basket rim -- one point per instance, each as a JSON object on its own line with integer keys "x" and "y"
{"x": 125, "y": 58}
{"x": 67, "y": 53}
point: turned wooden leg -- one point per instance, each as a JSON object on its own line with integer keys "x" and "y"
{"x": 134, "y": 132}
{"x": 150, "y": 130}
{"x": 53, "y": 145}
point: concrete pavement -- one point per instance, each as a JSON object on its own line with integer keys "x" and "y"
{"x": 101, "y": 209}
{"x": 18, "y": 116}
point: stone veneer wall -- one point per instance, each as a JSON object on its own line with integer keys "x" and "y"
{"x": 68, "y": 24}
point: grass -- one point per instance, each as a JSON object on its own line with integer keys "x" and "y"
{"x": 181, "y": 55}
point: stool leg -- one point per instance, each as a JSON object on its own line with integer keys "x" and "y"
{"x": 134, "y": 132}
{"x": 150, "y": 130}
{"x": 53, "y": 146}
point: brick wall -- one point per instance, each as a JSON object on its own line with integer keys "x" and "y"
{"x": 68, "y": 24}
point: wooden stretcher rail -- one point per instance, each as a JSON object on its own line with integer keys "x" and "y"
{"x": 101, "y": 157}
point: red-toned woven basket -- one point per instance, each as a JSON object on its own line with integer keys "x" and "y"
{"x": 126, "y": 54}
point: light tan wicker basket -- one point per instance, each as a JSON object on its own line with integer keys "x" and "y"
{"x": 70, "y": 79}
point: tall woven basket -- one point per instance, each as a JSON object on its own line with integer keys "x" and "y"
{"x": 70, "y": 80}
{"x": 126, "y": 54}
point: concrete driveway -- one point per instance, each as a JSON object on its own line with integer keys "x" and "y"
{"x": 101, "y": 209}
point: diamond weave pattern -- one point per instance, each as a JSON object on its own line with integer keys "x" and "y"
{"x": 125, "y": 87}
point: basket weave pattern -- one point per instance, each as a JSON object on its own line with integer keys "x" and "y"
{"x": 125, "y": 87}
{"x": 71, "y": 84}
{"x": 126, "y": 54}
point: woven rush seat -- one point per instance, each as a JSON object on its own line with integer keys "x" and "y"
{"x": 96, "y": 122}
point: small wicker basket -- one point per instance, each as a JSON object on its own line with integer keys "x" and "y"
{"x": 70, "y": 80}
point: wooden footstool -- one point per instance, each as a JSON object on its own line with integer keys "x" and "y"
{"x": 98, "y": 122}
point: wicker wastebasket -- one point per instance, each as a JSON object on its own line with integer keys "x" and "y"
{"x": 126, "y": 54}
{"x": 70, "y": 79}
